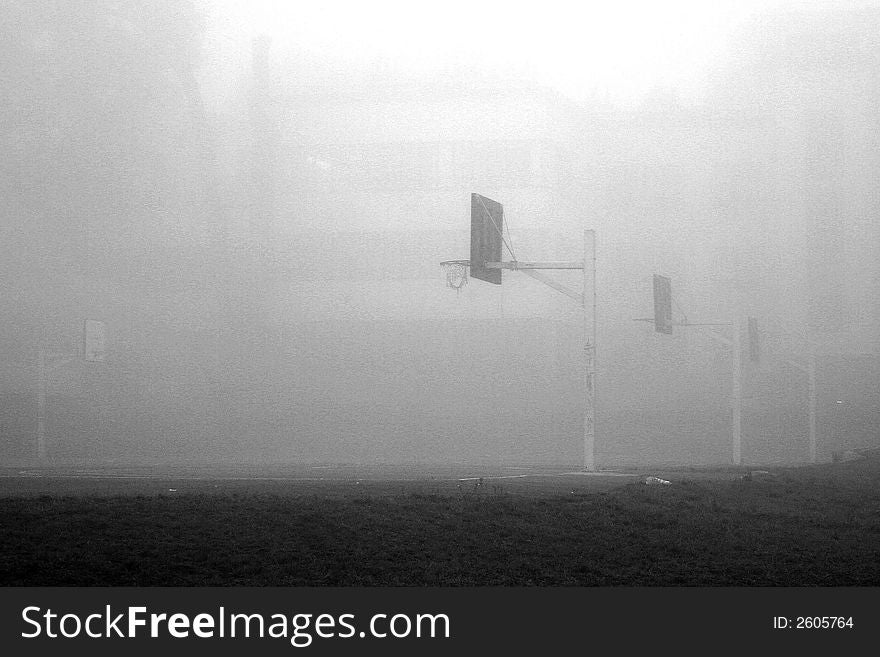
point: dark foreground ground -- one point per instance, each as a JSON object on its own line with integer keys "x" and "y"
{"x": 810, "y": 526}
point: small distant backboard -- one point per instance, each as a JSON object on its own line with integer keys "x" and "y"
{"x": 662, "y": 304}
{"x": 95, "y": 347}
{"x": 487, "y": 224}
{"x": 754, "y": 341}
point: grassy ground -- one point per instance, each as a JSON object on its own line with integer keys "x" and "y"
{"x": 808, "y": 526}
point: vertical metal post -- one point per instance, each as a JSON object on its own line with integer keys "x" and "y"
{"x": 589, "y": 350}
{"x": 811, "y": 377}
{"x": 736, "y": 395}
{"x": 41, "y": 405}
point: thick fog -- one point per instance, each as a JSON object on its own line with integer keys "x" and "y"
{"x": 254, "y": 204}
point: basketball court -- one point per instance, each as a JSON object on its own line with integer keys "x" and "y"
{"x": 296, "y": 480}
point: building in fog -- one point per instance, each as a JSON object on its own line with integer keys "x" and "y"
{"x": 798, "y": 107}
{"x": 803, "y": 155}
{"x": 374, "y": 176}
{"x": 267, "y": 265}
{"x": 108, "y": 213}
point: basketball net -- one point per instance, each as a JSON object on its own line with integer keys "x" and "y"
{"x": 456, "y": 274}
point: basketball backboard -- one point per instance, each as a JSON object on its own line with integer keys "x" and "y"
{"x": 662, "y": 304}
{"x": 487, "y": 224}
{"x": 754, "y": 341}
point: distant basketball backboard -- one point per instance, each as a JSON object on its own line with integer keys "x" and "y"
{"x": 662, "y": 304}
{"x": 754, "y": 341}
{"x": 487, "y": 224}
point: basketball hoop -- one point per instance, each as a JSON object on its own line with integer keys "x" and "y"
{"x": 456, "y": 272}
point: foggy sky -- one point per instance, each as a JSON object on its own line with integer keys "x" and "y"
{"x": 259, "y": 226}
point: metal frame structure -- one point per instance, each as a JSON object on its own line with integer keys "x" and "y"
{"x": 48, "y": 361}
{"x": 736, "y": 372}
{"x": 808, "y": 367}
{"x": 734, "y": 342}
{"x": 587, "y": 300}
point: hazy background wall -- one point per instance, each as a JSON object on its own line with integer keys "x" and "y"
{"x": 260, "y": 229}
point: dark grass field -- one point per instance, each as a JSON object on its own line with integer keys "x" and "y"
{"x": 810, "y": 526}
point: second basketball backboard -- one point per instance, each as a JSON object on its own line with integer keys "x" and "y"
{"x": 487, "y": 225}
{"x": 662, "y": 304}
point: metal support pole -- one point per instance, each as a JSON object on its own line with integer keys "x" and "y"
{"x": 589, "y": 351}
{"x": 808, "y": 367}
{"x": 736, "y": 395}
{"x": 811, "y": 376}
{"x": 41, "y": 405}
